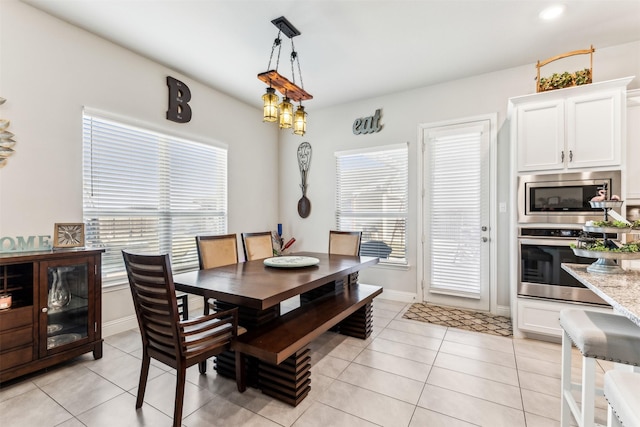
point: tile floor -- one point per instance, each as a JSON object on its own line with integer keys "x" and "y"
{"x": 407, "y": 374}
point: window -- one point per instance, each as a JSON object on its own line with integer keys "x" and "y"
{"x": 372, "y": 197}
{"x": 148, "y": 192}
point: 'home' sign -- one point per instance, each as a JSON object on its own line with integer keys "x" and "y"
{"x": 24, "y": 244}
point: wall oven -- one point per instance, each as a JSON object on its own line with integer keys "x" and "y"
{"x": 563, "y": 198}
{"x": 541, "y": 252}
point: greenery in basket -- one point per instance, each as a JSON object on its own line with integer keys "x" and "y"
{"x": 600, "y": 246}
{"x": 617, "y": 224}
{"x": 566, "y": 79}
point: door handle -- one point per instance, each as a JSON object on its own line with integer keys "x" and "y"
{"x": 485, "y": 239}
{"x": 562, "y": 156}
{"x": 484, "y": 228}
{"x": 570, "y": 156}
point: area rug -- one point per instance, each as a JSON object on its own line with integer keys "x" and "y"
{"x": 462, "y": 319}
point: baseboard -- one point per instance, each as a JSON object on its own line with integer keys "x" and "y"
{"x": 503, "y": 310}
{"x": 392, "y": 295}
{"x": 119, "y": 325}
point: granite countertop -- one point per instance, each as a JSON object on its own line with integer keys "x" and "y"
{"x": 622, "y": 291}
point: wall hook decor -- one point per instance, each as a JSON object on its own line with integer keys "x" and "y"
{"x": 304, "y": 159}
{"x": 6, "y": 139}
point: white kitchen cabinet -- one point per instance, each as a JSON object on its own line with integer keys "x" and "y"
{"x": 540, "y": 135}
{"x": 572, "y": 128}
{"x": 541, "y": 318}
{"x": 633, "y": 147}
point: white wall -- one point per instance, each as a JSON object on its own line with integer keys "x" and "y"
{"x": 330, "y": 130}
{"x": 50, "y": 70}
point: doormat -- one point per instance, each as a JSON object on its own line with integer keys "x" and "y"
{"x": 462, "y": 319}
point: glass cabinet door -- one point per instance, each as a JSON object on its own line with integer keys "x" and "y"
{"x": 66, "y": 307}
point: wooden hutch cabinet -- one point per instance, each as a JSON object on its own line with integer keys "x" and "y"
{"x": 55, "y": 314}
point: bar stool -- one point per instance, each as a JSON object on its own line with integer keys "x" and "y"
{"x": 622, "y": 391}
{"x": 598, "y": 336}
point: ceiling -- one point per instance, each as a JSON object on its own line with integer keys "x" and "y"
{"x": 348, "y": 49}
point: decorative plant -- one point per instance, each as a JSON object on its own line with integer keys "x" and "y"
{"x": 566, "y": 79}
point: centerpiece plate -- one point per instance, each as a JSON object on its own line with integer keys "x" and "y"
{"x": 291, "y": 261}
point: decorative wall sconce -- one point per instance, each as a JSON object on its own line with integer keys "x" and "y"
{"x": 283, "y": 112}
{"x": 6, "y": 139}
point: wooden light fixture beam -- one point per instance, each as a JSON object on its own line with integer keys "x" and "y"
{"x": 276, "y": 80}
{"x": 284, "y": 86}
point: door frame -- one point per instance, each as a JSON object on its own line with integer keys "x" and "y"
{"x": 493, "y": 156}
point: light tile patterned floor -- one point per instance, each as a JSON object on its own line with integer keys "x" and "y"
{"x": 408, "y": 374}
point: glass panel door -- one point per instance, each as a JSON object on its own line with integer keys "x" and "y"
{"x": 67, "y": 304}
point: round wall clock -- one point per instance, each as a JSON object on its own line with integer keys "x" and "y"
{"x": 69, "y": 235}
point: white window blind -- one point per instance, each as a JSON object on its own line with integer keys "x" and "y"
{"x": 149, "y": 193}
{"x": 454, "y": 200}
{"x": 372, "y": 197}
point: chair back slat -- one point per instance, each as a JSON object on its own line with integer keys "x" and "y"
{"x": 153, "y": 293}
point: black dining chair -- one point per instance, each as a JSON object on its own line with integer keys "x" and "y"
{"x": 168, "y": 339}
{"x": 257, "y": 245}
{"x": 344, "y": 242}
{"x": 216, "y": 251}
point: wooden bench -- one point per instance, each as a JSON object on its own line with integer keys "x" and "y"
{"x": 281, "y": 344}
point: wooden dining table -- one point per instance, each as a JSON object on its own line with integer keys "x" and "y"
{"x": 330, "y": 295}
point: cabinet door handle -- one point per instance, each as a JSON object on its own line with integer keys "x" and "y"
{"x": 45, "y": 309}
{"x": 562, "y": 156}
{"x": 570, "y": 155}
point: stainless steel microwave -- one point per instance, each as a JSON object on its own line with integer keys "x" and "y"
{"x": 563, "y": 198}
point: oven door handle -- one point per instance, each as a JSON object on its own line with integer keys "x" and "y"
{"x": 546, "y": 242}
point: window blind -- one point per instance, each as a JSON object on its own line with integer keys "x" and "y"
{"x": 454, "y": 200}
{"x": 150, "y": 193}
{"x": 372, "y": 197}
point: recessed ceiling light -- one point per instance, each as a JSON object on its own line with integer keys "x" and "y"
{"x": 552, "y": 12}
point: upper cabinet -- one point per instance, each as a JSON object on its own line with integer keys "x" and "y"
{"x": 633, "y": 146}
{"x": 573, "y": 128}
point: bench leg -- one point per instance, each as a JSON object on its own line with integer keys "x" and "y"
{"x": 359, "y": 324}
{"x": 290, "y": 380}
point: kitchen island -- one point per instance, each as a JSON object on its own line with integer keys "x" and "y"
{"x": 622, "y": 291}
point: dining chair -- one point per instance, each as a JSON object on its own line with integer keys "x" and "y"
{"x": 174, "y": 342}
{"x": 216, "y": 251}
{"x": 344, "y": 242}
{"x": 257, "y": 245}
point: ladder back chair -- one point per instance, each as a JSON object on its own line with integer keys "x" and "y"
{"x": 216, "y": 251}
{"x": 174, "y": 342}
{"x": 257, "y": 245}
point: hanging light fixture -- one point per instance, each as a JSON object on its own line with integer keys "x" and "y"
{"x": 270, "y": 100}
{"x": 300, "y": 121}
{"x": 289, "y": 89}
{"x": 286, "y": 113}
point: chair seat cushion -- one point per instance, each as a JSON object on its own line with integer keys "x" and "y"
{"x": 622, "y": 390}
{"x": 602, "y": 335}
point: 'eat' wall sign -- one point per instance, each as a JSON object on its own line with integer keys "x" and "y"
{"x": 369, "y": 124}
{"x": 179, "y": 96}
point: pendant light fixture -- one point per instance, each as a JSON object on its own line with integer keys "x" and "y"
{"x": 270, "y": 100}
{"x": 286, "y": 113}
{"x": 300, "y": 121}
{"x": 283, "y": 112}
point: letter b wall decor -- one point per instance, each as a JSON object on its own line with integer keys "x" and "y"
{"x": 179, "y": 96}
